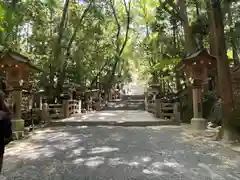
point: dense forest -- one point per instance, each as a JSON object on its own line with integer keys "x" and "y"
{"x": 86, "y": 42}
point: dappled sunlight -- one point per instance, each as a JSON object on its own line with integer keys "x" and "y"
{"x": 209, "y": 171}
{"x": 50, "y": 136}
{"x": 103, "y": 149}
{"x": 116, "y": 150}
{"x": 78, "y": 161}
{"x": 199, "y": 142}
{"x": 94, "y": 162}
{"x": 21, "y": 147}
{"x": 91, "y": 117}
{"x": 117, "y": 136}
{"x": 107, "y": 114}
{"x": 115, "y": 161}
{"x": 30, "y": 151}
{"x": 81, "y": 127}
{"x": 159, "y": 168}
{"x": 44, "y": 131}
{"x": 154, "y": 172}
{"x": 75, "y": 152}
{"x": 44, "y": 145}
{"x": 37, "y": 153}
{"x": 106, "y": 127}
{"x": 91, "y": 162}
{"x": 86, "y": 116}
{"x": 146, "y": 159}
{"x": 101, "y": 118}
{"x": 121, "y": 161}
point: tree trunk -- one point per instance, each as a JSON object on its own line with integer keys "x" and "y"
{"x": 225, "y": 88}
{"x": 190, "y": 46}
{"x": 63, "y": 68}
{"x": 211, "y": 29}
{"x": 232, "y": 34}
{"x": 200, "y": 38}
{"x": 58, "y": 45}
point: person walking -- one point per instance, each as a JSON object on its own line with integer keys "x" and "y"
{"x": 5, "y": 127}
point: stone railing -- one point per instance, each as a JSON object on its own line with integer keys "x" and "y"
{"x": 64, "y": 110}
{"x": 164, "y": 110}
{"x": 73, "y": 107}
{"x": 55, "y": 111}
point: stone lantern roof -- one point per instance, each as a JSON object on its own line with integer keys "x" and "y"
{"x": 18, "y": 58}
{"x": 201, "y": 57}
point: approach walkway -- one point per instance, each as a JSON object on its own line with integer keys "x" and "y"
{"x": 114, "y": 118}
{"x": 118, "y": 153}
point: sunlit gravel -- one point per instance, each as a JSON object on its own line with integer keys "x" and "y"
{"x": 117, "y": 153}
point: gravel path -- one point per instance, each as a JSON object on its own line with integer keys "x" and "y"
{"x": 118, "y": 153}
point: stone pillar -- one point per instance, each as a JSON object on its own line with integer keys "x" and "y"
{"x": 40, "y": 102}
{"x": 71, "y": 94}
{"x": 145, "y": 101}
{"x": 17, "y": 121}
{"x": 44, "y": 113}
{"x": 65, "y": 108}
{"x": 198, "y": 122}
{"x": 176, "y": 112}
{"x": 158, "y": 108}
{"x": 110, "y": 95}
{"x": 79, "y": 107}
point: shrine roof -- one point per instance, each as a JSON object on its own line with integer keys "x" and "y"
{"x": 203, "y": 53}
{"x": 20, "y": 58}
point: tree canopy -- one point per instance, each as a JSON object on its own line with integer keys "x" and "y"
{"x": 89, "y": 41}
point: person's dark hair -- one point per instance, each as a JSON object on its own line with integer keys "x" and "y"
{"x": 3, "y": 85}
{"x": 3, "y": 106}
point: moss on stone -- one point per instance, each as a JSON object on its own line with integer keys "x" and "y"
{"x": 18, "y": 125}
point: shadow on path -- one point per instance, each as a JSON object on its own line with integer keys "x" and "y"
{"x": 102, "y": 153}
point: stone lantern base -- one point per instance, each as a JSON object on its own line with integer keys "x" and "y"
{"x": 199, "y": 123}
{"x": 18, "y": 128}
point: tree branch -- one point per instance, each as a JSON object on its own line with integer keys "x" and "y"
{"x": 99, "y": 72}
{"x": 60, "y": 31}
{"x": 77, "y": 27}
{"x": 62, "y": 70}
{"x": 118, "y": 24}
{"x": 175, "y": 12}
{"x": 119, "y": 50}
{"x": 127, "y": 9}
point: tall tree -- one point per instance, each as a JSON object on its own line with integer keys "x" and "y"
{"x": 225, "y": 88}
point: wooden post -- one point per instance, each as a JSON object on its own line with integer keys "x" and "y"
{"x": 17, "y": 121}
{"x": 65, "y": 108}
{"x": 176, "y": 112}
{"x": 110, "y": 95}
{"x": 197, "y": 102}
{"x": 198, "y": 122}
{"x": 17, "y": 99}
{"x": 158, "y": 108}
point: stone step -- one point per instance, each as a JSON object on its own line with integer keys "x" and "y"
{"x": 133, "y": 97}
{"x": 115, "y": 123}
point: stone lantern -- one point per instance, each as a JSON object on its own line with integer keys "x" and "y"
{"x": 17, "y": 71}
{"x": 196, "y": 68}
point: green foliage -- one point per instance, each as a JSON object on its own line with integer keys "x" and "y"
{"x": 155, "y": 41}
{"x": 165, "y": 64}
{"x": 2, "y": 12}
